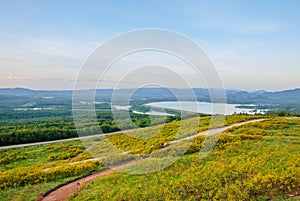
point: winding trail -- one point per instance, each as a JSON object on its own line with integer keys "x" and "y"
{"x": 121, "y": 132}
{"x": 217, "y": 130}
{"x": 64, "y": 193}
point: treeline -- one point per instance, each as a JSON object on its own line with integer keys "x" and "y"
{"x": 38, "y": 129}
{"x": 11, "y": 116}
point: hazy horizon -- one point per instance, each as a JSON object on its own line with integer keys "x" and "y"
{"x": 233, "y": 89}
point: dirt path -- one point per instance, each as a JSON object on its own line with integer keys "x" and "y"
{"x": 86, "y": 137}
{"x": 65, "y": 192}
{"x": 218, "y": 130}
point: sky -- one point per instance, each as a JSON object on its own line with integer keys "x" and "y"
{"x": 253, "y": 44}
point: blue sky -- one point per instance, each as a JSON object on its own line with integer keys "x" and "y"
{"x": 254, "y": 44}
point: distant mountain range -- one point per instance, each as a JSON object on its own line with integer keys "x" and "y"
{"x": 288, "y": 99}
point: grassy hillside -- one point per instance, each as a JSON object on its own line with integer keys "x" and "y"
{"x": 259, "y": 161}
{"x": 26, "y": 172}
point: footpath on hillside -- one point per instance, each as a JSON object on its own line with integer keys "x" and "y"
{"x": 63, "y": 193}
{"x": 66, "y": 191}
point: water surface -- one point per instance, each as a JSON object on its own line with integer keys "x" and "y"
{"x": 203, "y": 107}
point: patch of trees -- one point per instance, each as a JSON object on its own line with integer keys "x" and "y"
{"x": 31, "y": 128}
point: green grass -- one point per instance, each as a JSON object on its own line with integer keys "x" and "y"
{"x": 29, "y": 192}
{"x": 243, "y": 166}
{"x": 271, "y": 127}
{"x": 23, "y": 169}
{"x": 32, "y": 170}
{"x": 35, "y": 155}
{"x": 150, "y": 139}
